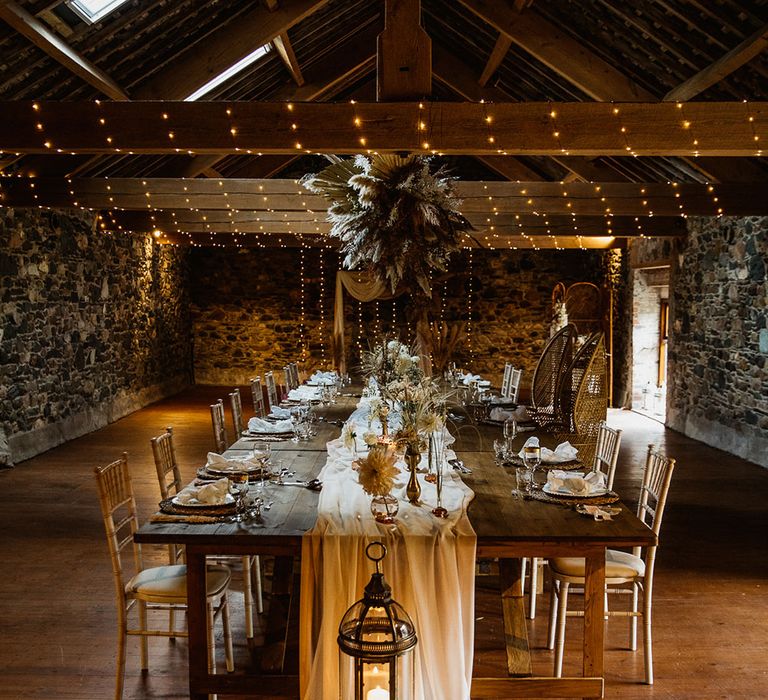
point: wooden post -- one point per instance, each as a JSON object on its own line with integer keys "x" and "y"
{"x": 403, "y": 53}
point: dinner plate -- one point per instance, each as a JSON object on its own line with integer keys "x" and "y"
{"x": 228, "y": 501}
{"x": 569, "y": 494}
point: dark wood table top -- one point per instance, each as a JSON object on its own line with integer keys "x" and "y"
{"x": 502, "y": 522}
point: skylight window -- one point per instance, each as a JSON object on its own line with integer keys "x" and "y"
{"x": 227, "y": 74}
{"x": 93, "y": 10}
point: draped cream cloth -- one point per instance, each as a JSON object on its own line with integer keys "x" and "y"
{"x": 430, "y": 565}
{"x": 364, "y": 287}
{"x": 361, "y": 286}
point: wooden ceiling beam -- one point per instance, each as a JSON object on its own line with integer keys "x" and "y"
{"x": 284, "y": 48}
{"x": 403, "y": 54}
{"x": 291, "y": 241}
{"x": 42, "y": 37}
{"x": 576, "y": 63}
{"x": 583, "y": 129}
{"x": 553, "y": 47}
{"x": 524, "y": 224}
{"x": 483, "y": 202}
{"x": 715, "y": 72}
{"x": 498, "y": 54}
{"x": 202, "y": 62}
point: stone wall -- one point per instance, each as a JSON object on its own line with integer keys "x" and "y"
{"x": 247, "y": 307}
{"x": 94, "y": 326}
{"x": 718, "y": 349}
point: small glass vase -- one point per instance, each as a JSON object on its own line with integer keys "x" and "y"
{"x": 384, "y": 508}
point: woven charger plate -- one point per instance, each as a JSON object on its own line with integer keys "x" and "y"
{"x": 517, "y": 461}
{"x": 168, "y": 506}
{"x": 605, "y": 499}
{"x": 204, "y": 475}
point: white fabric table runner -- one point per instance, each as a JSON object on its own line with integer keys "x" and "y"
{"x": 430, "y": 565}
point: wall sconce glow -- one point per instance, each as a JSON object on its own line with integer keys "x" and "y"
{"x": 229, "y": 72}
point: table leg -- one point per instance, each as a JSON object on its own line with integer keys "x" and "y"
{"x": 196, "y": 621}
{"x": 594, "y": 613}
{"x": 515, "y": 628}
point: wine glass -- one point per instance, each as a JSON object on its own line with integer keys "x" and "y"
{"x": 510, "y": 433}
{"x": 238, "y": 487}
{"x": 532, "y": 459}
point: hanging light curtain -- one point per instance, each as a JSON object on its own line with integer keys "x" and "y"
{"x": 361, "y": 286}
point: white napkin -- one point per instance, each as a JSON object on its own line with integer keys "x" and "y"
{"x": 280, "y": 413}
{"x": 575, "y": 482}
{"x": 323, "y": 378}
{"x": 520, "y": 414}
{"x": 223, "y": 464}
{"x": 259, "y": 425}
{"x": 564, "y": 452}
{"x": 304, "y": 392}
{"x": 212, "y": 494}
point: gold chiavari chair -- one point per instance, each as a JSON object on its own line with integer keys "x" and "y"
{"x": 154, "y": 588}
{"x": 625, "y": 572}
{"x": 169, "y": 478}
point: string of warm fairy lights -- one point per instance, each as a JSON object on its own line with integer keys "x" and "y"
{"x": 321, "y": 324}
{"x": 302, "y": 299}
{"x": 470, "y": 290}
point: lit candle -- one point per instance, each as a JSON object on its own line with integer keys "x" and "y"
{"x": 377, "y": 694}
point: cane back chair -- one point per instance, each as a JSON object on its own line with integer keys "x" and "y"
{"x": 547, "y": 377}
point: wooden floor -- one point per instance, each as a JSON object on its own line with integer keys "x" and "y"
{"x": 57, "y": 614}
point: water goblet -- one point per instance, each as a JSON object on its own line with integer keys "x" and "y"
{"x": 510, "y": 429}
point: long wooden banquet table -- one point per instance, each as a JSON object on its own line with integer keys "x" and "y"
{"x": 506, "y": 527}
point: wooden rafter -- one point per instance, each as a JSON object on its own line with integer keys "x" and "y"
{"x": 494, "y": 60}
{"x": 322, "y": 81}
{"x": 553, "y": 47}
{"x": 643, "y": 129}
{"x": 284, "y": 48}
{"x": 485, "y": 203}
{"x": 575, "y": 63}
{"x": 222, "y": 49}
{"x": 722, "y": 68}
{"x": 42, "y": 37}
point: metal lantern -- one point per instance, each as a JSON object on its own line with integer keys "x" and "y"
{"x": 375, "y": 638}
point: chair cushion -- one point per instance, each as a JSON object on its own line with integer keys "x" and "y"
{"x": 168, "y": 584}
{"x": 617, "y": 565}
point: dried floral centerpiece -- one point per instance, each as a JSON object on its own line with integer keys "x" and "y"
{"x": 377, "y": 473}
{"x": 418, "y": 401}
{"x": 393, "y": 215}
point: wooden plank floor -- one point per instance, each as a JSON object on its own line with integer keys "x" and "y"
{"x": 57, "y": 615}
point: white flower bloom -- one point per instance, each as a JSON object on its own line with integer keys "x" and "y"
{"x": 370, "y": 438}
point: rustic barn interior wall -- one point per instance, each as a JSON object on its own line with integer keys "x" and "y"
{"x": 718, "y": 349}
{"x": 247, "y": 308}
{"x": 94, "y": 326}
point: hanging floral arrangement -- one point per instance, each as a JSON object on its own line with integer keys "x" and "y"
{"x": 393, "y": 216}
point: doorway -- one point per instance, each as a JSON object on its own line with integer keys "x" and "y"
{"x": 650, "y": 333}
